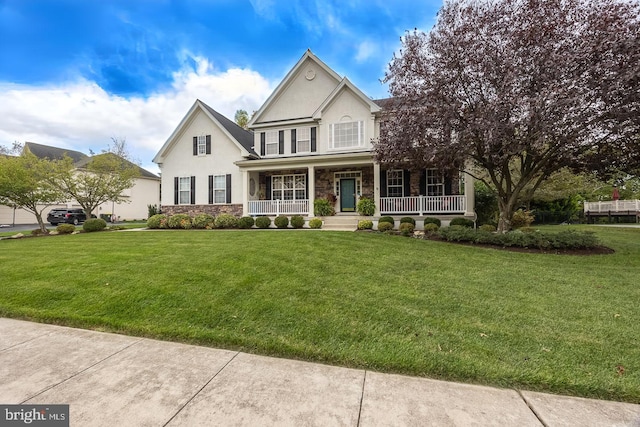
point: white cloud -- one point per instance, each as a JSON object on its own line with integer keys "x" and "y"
{"x": 366, "y": 50}
{"x": 82, "y": 116}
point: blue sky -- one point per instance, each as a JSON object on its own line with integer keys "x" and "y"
{"x": 75, "y": 73}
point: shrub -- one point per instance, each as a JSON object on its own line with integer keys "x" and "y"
{"x": 179, "y": 221}
{"x": 65, "y": 228}
{"x": 246, "y": 222}
{"x": 263, "y": 222}
{"x": 431, "y": 228}
{"x": 569, "y": 239}
{"x": 281, "y": 221}
{"x": 432, "y": 220}
{"x": 203, "y": 221}
{"x": 522, "y": 218}
{"x": 464, "y": 222}
{"x": 408, "y": 220}
{"x": 315, "y": 223}
{"x": 297, "y": 221}
{"x": 487, "y": 227}
{"x": 38, "y": 232}
{"x": 226, "y": 221}
{"x": 458, "y": 233}
{"x": 94, "y": 224}
{"x": 365, "y": 224}
{"x": 157, "y": 221}
{"x": 384, "y": 226}
{"x": 152, "y": 210}
{"x": 406, "y": 228}
{"x": 323, "y": 207}
{"x": 388, "y": 219}
{"x": 366, "y": 206}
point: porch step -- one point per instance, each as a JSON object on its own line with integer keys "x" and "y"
{"x": 340, "y": 223}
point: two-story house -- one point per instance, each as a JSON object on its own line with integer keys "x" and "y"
{"x": 312, "y": 138}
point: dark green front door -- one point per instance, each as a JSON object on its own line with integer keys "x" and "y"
{"x": 348, "y": 195}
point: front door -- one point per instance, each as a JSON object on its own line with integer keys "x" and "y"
{"x": 348, "y": 195}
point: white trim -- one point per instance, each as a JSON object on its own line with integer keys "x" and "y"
{"x": 360, "y": 135}
{"x": 218, "y": 189}
{"x": 181, "y": 191}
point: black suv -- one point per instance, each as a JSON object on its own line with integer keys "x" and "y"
{"x": 69, "y": 216}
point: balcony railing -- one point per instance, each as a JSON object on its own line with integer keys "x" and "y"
{"x": 277, "y": 207}
{"x": 612, "y": 206}
{"x": 423, "y": 205}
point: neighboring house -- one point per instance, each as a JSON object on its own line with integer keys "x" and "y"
{"x": 145, "y": 191}
{"x": 310, "y": 139}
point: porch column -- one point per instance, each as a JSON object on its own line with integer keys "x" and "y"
{"x": 376, "y": 187}
{"x": 245, "y": 192}
{"x": 469, "y": 195}
{"x": 312, "y": 189}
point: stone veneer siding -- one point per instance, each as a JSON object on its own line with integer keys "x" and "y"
{"x": 325, "y": 180}
{"x": 193, "y": 210}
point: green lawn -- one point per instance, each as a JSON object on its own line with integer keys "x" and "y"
{"x": 557, "y": 323}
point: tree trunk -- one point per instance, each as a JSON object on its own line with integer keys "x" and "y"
{"x": 506, "y": 212}
{"x": 43, "y": 227}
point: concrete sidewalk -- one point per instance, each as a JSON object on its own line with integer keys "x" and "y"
{"x": 110, "y": 379}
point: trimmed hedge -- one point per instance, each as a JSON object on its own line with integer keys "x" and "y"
{"x": 315, "y": 223}
{"x": 226, "y": 221}
{"x": 246, "y": 222}
{"x": 432, "y": 220}
{"x": 365, "y": 224}
{"x": 464, "y": 222}
{"x": 385, "y": 226}
{"x": 180, "y": 221}
{"x": 407, "y": 220}
{"x": 157, "y": 221}
{"x": 94, "y": 224}
{"x": 65, "y": 228}
{"x": 263, "y": 222}
{"x": 569, "y": 239}
{"x": 431, "y": 228}
{"x": 406, "y": 228}
{"x": 203, "y": 221}
{"x": 388, "y": 219}
{"x": 297, "y": 221}
{"x": 281, "y": 221}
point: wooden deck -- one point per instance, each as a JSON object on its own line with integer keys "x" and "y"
{"x": 612, "y": 209}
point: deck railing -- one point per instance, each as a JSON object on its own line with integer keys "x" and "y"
{"x": 612, "y": 206}
{"x": 277, "y": 207}
{"x": 423, "y": 204}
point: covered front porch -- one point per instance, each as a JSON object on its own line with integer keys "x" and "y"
{"x": 290, "y": 186}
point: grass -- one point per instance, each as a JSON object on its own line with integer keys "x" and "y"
{"x": 562, "y": 324}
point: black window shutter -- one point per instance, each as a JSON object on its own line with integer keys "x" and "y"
{"x": 268, "y": 188}
{"x": 195, "y": 145}
{"x": 193, "y": 190}
{"x": 208, "y": 144}
{"x": 210, "y": 189}
{"x": 281, "y": 142}
{"x": 176, "y": 184}
{"x": 262, "y": 143}
{"x": 383, "y": 183}
{"x": 423, "y": 183}
{"x": 228, "y": 188}
{"x": 447, "y": 185}
{"x": 406, "y": 181}
{"x": 313, "y": 139}
{"x": 293, "y": 141}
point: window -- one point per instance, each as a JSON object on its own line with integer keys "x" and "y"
{"x": 202, "y": 145}
{"x": 435, "y": 183}
{"x": 346, "y": 135}
{"x": 219, "y": 189}
{"x": 395, "y": 183}
{"x": 271, "y": 143}
{"x": 288, "y": 187}
{"x": 303, "y": 143}
{"x": 184, "y": 190}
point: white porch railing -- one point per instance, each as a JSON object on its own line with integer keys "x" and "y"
{"x": 277, "y": 207}
{"x": 612, "y": 206}
{"x": 423, "y": 204}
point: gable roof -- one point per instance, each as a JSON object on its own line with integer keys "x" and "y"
{"x": 287, "y": 80}
{"x": 241, "y": 137}
{"x": 141, "y": 171}
{"x": 53, "y": 153}
{"x": 344, "y": 84}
